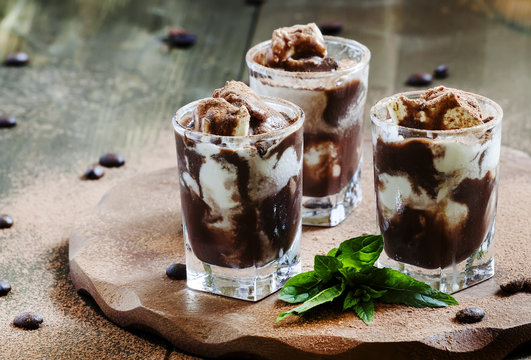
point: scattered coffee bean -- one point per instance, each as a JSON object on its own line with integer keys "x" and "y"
{"x": 17, "y": 59}
{"x": 419, "y": 79}
{"x": 513, "y": 286}
{"x": 176, "y": 271}
{"x": 94, "y": 172}
{"x": 180, "y": 38}
{"x": 441, "y": 72}
{"x": 255, "y": 2}
{"x": 331, "y": 28}
{"x": 4, "y": 288}
{"x": 112, "y": 160}
{"x": 27, "y": 320}
{"x": 5, "y": 221}
{"x": 7, "y": 121}
{"x": 470, "y": 315}
{"x": 527, "y": 285}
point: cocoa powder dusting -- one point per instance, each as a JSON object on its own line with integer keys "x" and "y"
{"x": 35, "y": 263}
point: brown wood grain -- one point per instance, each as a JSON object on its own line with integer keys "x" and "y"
{"x": 119, "y": 255}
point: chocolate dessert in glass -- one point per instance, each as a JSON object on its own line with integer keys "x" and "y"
{"x": 327, "y": 77}
{"x": 240, "y": 170}
{"x": 436, "y": 156}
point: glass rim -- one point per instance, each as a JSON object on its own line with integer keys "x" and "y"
{"x": 485, "y": 126}
{"x": 364, "y": 62}
{"x": 181, "y": 130}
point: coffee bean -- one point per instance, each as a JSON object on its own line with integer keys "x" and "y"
{"x": 111, "y": 160}
{"x": 513, "y": 286}
{"x": 17, "y": 59}
{"x": 94, "y": 172}
{"x": 4, "y": 288}
{"x": 419, "y": 79}
{"x": 331, "y": 28}
{"x": 176, "y": 271}
{"x": 255, "y": 2}
{"x": 27, "y": 320}
{"x": 5, "y": 221}
{"x": 7, "y": 121}
{"x": 180, "y": 38}
{"x": 470, "y": 315}
{"x": 441, "y": 72}
{"x": 527, "y": 285}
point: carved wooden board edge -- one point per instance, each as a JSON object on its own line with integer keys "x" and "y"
{"x": 128, "y": 311}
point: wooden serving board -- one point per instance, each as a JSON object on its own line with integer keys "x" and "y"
{"x": 119, "y": 253}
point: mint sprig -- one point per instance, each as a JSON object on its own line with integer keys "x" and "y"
{"x": 348, "y": 273}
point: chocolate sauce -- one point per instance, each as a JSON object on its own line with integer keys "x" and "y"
{"x": 344, "y": 144}
{"x": 280, "y": 214}
{"x": 413, "y": 158}
{"x": 423, "y": 237}
{"x": 321, "y": 179}
{"x": 340, "y": 100}
{"x": 259, "y": 230}
{"x": 310, "y": 64}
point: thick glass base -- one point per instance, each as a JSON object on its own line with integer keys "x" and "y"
{"x": 332, "y": 209}
{"x": 250, "y": 284}
{"x": 475, "y": 269}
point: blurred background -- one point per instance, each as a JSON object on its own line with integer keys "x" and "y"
{"x": 100, "y": 76}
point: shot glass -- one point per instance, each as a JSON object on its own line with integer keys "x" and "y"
{"x": 333, "y": 104}
{"x": 436, "y": 195}
{"x": 241, "y": 205}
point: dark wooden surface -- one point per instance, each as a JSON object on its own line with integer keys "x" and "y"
{"x": 100, "y": 80}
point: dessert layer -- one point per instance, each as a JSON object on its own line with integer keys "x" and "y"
{"x": 299, "y": 48}
{"x": 434, "y": 216}
{"x": 236, "y": 110}
{"x": 437, "y": 109}
{"x": 436, "y": 195}
{"x": 332, "y": 133}
{"x": 241, "y": 207}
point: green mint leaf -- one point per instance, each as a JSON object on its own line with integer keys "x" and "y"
{"x": 374, "y": 294}
{"x": 300, "y": 288}
{"x": 365, "y": 310}
{"x": 351, "y": 300}
{"x": 326, "y": 267}
{"x": 332, "y": 252}
{"x": 323, "y": 297}
{"x": 361, "y": 251}
{"x": 347, "y": 274}
{"x": 401, "y": 289}
{"x": 294, "y": 295}
{"x": 361, "y": 283}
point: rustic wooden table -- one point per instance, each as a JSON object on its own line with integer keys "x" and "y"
{"x": 100, "y": 80}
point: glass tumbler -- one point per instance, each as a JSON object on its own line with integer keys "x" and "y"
{"x": 436, "y": 196}
{"x": 241, "y": 205}
{"x": 333, "y": 104}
